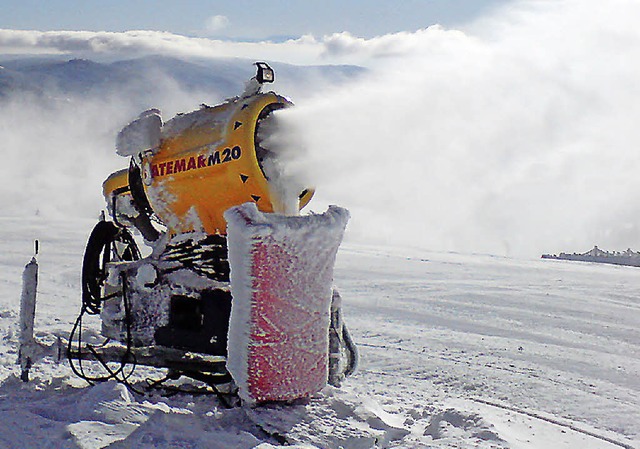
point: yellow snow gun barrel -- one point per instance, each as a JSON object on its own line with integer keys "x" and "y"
{"x": 206, "y": 162}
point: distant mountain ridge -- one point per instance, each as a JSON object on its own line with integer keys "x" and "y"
{"x": 140, "y": 76}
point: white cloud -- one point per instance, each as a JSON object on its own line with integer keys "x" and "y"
{"x": 337, "y": 48}
{"x": 215, "y": 24}
{"x": 97, "y": 44}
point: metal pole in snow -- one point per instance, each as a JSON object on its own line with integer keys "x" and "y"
{"x": 336, "y": 375}
{"x": 27, "y": 315}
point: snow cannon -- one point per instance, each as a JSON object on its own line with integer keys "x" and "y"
{"x": 191, "y": 169}
{"x": 237, "y": 289}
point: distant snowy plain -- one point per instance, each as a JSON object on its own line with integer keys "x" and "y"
{"x": 457, "y": 350}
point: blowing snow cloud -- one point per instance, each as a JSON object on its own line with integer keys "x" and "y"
{"x": 517, "y": 135}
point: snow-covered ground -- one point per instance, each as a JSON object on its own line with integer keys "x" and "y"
{"x": 457, "y": 350}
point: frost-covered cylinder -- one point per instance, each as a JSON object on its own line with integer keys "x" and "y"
{"x": 27, "y": 315}
{"x": 281, "y": 283}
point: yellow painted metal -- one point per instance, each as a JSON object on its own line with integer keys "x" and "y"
{"x": 116, "y": 181}
{"x": 207, "y": 163}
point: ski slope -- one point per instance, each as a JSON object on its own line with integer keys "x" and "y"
{"x": 457, "y": 350}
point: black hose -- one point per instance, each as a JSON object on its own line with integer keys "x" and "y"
{"x": 97, "y": 255}
{"x": 352, "y": 350}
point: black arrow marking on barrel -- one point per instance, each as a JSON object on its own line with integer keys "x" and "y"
{"x": 244, "y": 106}
{"x": 237, "y": 125}
{"x": 256, "y": 198}
{"x": 244, "y": 178}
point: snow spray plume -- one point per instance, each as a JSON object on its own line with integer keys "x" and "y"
{"x": 283, "y": 149}
{"x": 518, "y": 137}
{"x": 57, "y": 150}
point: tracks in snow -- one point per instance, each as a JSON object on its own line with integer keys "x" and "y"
{"x": 531, "y": 414}
{"x": 553, "y": 421}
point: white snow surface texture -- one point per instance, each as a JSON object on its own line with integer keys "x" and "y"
{"x": 281, "y": 279}
{"x": 457, "y": 351}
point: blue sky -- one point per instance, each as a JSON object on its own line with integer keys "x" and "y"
{"x": 242, "y": 19}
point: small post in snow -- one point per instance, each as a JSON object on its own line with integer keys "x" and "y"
{"x": 28, "y": 345}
